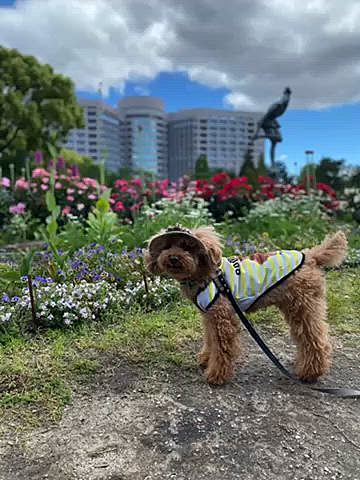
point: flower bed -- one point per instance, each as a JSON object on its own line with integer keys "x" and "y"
{"x": 76, "y": 195}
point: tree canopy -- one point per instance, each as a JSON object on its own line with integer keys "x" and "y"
{"x": 37, "y": 106}
{"x": 202, "y": 170}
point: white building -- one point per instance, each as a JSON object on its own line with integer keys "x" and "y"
{"x": 141, "y": 135}
{"x": 101, "y": 136}
{"x": 223, "y": 136}
{"x": 144, "y": 134}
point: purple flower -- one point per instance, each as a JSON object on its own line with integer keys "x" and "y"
{"x": 60, "y": 163}
{"x": 38, "y": 156}
{"x": 75, "y": 172}
{"x": 5, "y": 298}
{"x": 15, "y": 299}
{"x": 17, "y": 209}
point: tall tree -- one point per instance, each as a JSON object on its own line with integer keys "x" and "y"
{"x": 330, "y": 171}
{"x": 252, "y": 172}
{"x": 37, "y": 106}
{"x": 202, "y": 170}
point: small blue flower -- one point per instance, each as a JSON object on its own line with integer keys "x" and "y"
{"x": 5, "y": 298}
{"x": 15, "y": 299}
{"x": 40, "y": 279}
{"x": 92, "y": 245}
{"x": 24, "y": 278}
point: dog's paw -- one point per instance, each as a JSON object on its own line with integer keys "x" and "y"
{"x": 219, "y": 377}
{"x": 308, "y": 377}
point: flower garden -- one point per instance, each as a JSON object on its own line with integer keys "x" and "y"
{"x": 72, "y": 272}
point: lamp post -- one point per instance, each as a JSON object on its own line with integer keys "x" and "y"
{"x": 103, "y": 152}
{"x": 309, "y": 159}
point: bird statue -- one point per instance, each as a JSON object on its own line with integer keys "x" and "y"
{"x": 271, "y": 126}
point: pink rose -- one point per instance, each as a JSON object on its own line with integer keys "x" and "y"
{"x": 58, "y": 186}
{"x": 44, "y": 187}
{"x": 119, "y": 207}
{"x": 5, "y": 182}
{"x": 90, "y": 182}
{"x": 66, "y": 210}
{"x": 121, "y": 183}
{"x": 45, "y": 179}
{"x": 70, "y": 191}
{"x": 80, "y": 206}
{"x": 136, "y": 181}
{"x": 70, "y": 198}
{"x": 21, "y": 184}
{"x": 40, "y": 172}
{"x": 92, "y": 196}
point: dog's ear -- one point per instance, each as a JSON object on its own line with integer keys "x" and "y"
{"x": 211, "y": 240}
{"x": 151, "y": 263}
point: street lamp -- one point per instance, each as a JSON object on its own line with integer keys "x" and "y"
{"x": 309, "y": 159}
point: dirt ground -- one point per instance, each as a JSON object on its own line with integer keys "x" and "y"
{"x": 134, "y": 422}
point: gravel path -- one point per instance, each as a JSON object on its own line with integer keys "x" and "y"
{"x": 140, "y": 424}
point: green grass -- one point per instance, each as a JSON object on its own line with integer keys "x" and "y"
{"x": 38, "y": 374}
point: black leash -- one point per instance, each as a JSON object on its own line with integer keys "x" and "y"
{"x": 223, "y": 287}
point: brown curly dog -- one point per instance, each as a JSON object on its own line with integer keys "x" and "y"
{"x": 300, "y": 297}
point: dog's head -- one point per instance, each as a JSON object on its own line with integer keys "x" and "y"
{"x": 184, "y": 254}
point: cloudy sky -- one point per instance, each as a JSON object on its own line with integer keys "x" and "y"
{"x": 230, "y": 54}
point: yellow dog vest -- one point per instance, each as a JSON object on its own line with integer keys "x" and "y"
{"x": 248, "y": 280}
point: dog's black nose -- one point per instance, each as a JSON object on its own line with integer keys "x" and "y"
{"x": 174, "y": 260}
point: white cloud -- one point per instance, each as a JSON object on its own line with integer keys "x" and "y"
{"x": 141, "y": 90}
{"x": 252, "y": 47}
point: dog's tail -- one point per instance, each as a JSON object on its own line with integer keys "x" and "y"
{"x": 331, "y": 252}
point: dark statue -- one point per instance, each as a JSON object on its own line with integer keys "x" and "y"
{"x": 271, "y": 126}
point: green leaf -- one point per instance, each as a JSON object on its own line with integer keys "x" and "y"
{"x": 26, "y": 264}
{"x": 10, "y": 275}
{"x": 52, "y": 150}
{"x": 103, "y": 205}
{"x": 52, "y": 227}
{"x": 50, "y": 201}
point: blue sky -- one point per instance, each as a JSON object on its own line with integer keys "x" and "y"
{"x": 188, "y": 56}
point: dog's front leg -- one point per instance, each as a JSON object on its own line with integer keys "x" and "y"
{"x": 204, "y": 354}
{"x": 223, "y": 342}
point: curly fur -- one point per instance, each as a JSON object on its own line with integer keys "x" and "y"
{"x": 301, "y": 298}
